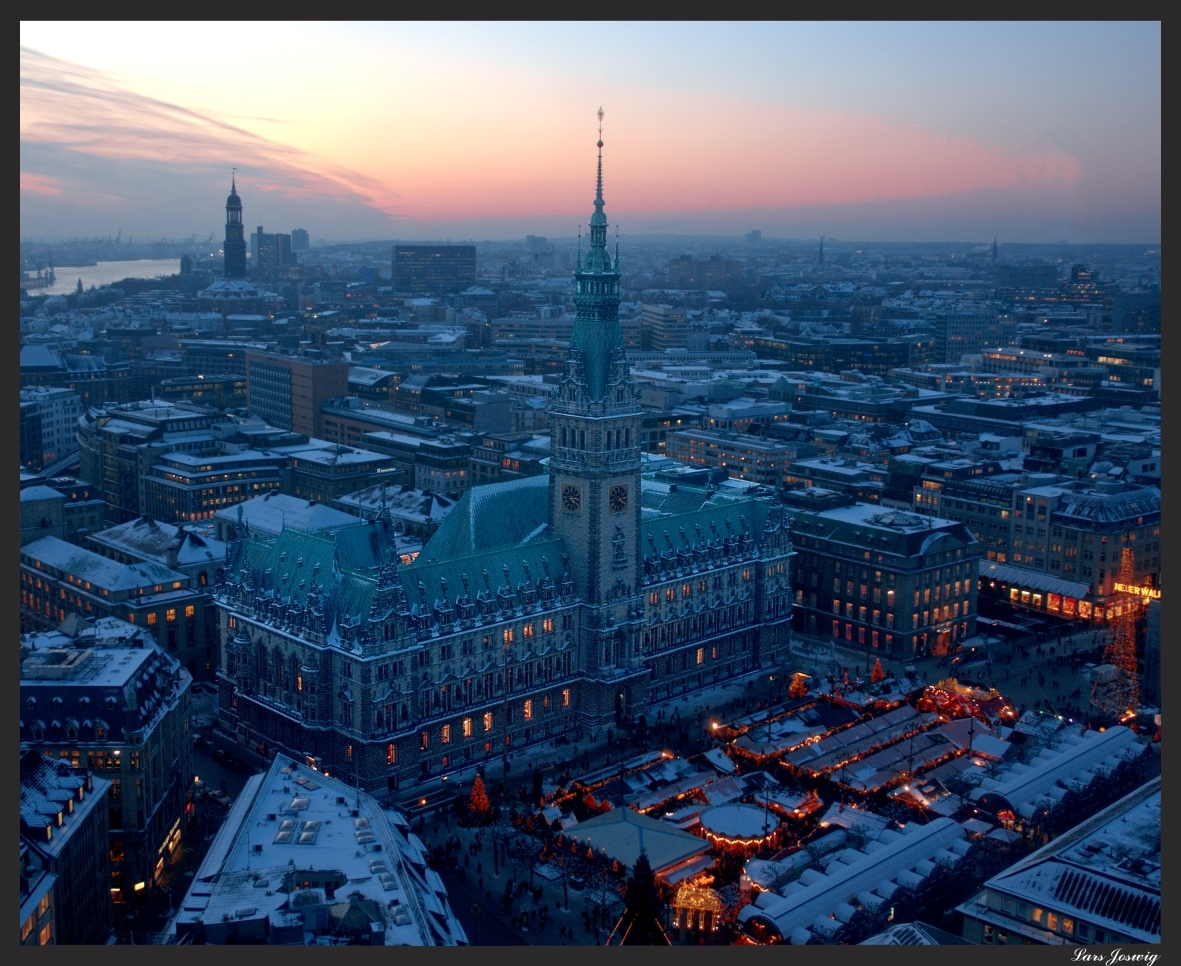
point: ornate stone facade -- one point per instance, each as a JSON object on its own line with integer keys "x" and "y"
{"x": 534, "y": 612}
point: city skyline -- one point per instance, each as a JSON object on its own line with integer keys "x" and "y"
{"x": 1035, "y": 133}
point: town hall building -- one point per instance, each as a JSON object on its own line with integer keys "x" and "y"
{"x": 552, "y": 605}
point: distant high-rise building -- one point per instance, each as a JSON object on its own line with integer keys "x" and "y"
{"x": 299, "y": 240}
{"x": 968, "y": 330}
{"x": 1136, "y": 312}
{"x": 434, "y": 269}
{"x": 666, "y": 327}
{"x": 711, "y": 273}
{"x": 821, "y": 249}
{"x": 272, "y": 252}
{"x": 234, "y": 247}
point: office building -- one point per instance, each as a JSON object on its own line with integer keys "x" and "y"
{"x": 118, "y": 445}
{"x": 745, "y": 457}
{"x": 189, "y": 487}
{"x": 272, "y": 253}
{"x": 61, "y": 507}
{"x": 288, "y": 391}
{"x": 715, "y": 272}
{"x": 58, "y": 579}
{"x": 968, "y": 330}
{"x": 65, "y": 837}
{"x": 299, "y": 240}
{"x": 48, "y": 425}
{"x": 433, "y": 269}
{"x": 1136, "y": 312}
{"x": 95, "y": 379}
{"x": 37, "y": 905}
{"x": 117, "y": 706}
{"x": 214, "y": 391}
{"x": 889, "y": 581}
{"x": 663, "y": 327}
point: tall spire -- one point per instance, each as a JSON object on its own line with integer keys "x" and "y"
{"x": 596, "y": 332}
{"x": 599, "y": 182}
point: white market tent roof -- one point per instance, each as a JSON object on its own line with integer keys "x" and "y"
{"x": 623, "y": 834}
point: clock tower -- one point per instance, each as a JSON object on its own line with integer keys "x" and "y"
{"x": 594, "y": 469}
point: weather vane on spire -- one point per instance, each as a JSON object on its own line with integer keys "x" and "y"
{"x": 600, "y": 128}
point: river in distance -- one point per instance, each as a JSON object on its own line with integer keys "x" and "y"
{"x": 106, "y": 273}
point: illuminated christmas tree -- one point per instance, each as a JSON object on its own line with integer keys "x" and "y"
{"x": 798, "y": 687}
{"x": 1118, "y": 691}
{"x": 878, "y": 673}
{"x": 478, "y": 802}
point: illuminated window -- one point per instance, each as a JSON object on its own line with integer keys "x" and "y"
{"x": 445, "y": 734}
{"x": 487, "y": 720}
{"x": 152, "y": 619}
{"x": 653, "y": 598}
{"x": 526, "y": 630}
{"x": 170, "y": 615}
{"x": 508, "y": 635}
{"x": 424, "y": 740}
{"x": 701, "y": 655}
{"x": 391, "y": 754}
{"x": 565, "y": 697}
{"x": 467, "y": 727}
{"x": 528, "y": 706}
{"x": 670, "y": 593}
{"x": 686, "y": 589}
{"x": 190, "y": 610}
{"x": 547, "y": 625}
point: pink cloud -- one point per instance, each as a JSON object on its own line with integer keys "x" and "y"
{"x": 40, "y": 184}
{"x": 86, "y": 111}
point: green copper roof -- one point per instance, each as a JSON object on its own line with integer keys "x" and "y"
{"x": 596, "y": 298}
{"x": 491, "y": 516}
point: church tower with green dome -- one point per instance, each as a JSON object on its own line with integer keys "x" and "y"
{"x": 594, "y": 469}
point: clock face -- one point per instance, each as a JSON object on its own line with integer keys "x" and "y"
{"x": 617, "y": 499}
{"x": 571, "y": 498}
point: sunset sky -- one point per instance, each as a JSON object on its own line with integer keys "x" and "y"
{"x": 1029, "y": 132}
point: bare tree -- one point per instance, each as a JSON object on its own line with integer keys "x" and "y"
{"x": 502, "y": 833}
{"x": 568, "y": 865}
{"x": 602, "y": 884}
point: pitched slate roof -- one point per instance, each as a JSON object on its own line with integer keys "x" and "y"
{"x": 99, "y": 570}
{"x": 491, "y": 516}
